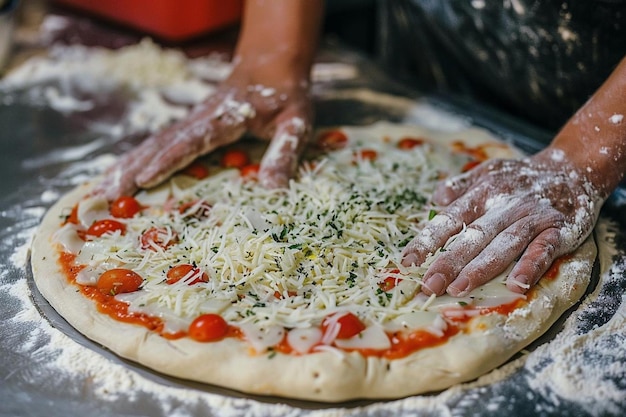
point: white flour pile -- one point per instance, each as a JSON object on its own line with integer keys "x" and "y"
{"x": 579, "y": 368}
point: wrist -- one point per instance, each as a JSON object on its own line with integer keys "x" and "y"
{"x": 280, "y": 36}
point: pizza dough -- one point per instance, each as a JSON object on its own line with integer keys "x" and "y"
{"x": 331, "y": 374}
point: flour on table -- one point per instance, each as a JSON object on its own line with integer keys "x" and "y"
{"x": 160, "y": 82}
{"x": 588, "y": 368}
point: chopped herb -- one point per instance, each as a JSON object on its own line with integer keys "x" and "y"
{"x": 351, "y": 280}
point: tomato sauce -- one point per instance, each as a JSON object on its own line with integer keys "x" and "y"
{"x": 402, "y": 344}
{"x": 552, "y": 273}
{"x": 284, "y": 347}
{"x": 478, "y": 153}
{"x": 107, "y": 304}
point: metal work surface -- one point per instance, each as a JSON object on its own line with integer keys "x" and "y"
{"x": 47, "y": 368}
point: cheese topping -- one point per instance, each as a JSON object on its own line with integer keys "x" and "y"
{"x": 283, "y": 260}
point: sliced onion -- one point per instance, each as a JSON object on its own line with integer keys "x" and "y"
{"x": 262, "y": 338}
{"x": 68, "y": 238}
{"x": 373, "y": 337}
{"x": 302, "y": 340}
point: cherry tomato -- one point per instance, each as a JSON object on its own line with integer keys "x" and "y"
{"x": 235, "y": 159}
{"x": 410, "y": 143}
{"x": 118, "y": 281}
{"x": 250, "y": 171}
{"x": 125, "y": 207}
{"x": 181, "y": 271}
{"x": 469, "y": 165}
{"x": 100, "y": 227}
{"x": 390, "y": 283}
{"x": 208, "y": 328}
{"x": 196, "y": 170}
{"x": 332, "y": 140}
{"x": 350, "y": 325}
{"x": 159, "y": 237}
{"x": 365, "y": 155}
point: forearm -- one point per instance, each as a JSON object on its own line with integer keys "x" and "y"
{"x": 594, "y": 140}
{"x": 280, "y": 36}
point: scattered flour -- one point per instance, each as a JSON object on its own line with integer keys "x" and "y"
{"x": 162, "y": 83}
{"x": 616, "y": 119}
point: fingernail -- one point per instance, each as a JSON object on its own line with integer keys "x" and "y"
{"x": 435, "y": 284}
{"x": 410, "y": 259}
{"x": 458, "y": 288}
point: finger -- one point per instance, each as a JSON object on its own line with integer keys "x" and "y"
{"x": 433, "y": 236}
{"x": 452, "y": 188}
{"x": 216, "y": 123}
{"x": 117, "y": 182}
{"x": 191, "y": 141}
{"x": 119, "y": 179}
{"x": 535, "y": 261}
{"x": 470, "y": 243}
{"x": 500, "y": 253}
{"x": 443, "y": 226}
{"x": 280, "y": 161}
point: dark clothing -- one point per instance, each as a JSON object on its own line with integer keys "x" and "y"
{"x": 538, "y": 59}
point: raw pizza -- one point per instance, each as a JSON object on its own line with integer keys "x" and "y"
{"x": 299, "y": 292}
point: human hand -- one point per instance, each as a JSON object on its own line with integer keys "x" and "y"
{"x": 267, "y": 104}
{"x": 535, "y": 209}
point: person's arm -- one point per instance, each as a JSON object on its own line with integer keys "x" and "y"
{"x": 532, "y": 210}
{"x": 594, "y": 140}
{"x": 279, "y": 36}
{"x": 267, "y": 94}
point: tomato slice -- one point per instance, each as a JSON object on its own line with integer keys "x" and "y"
{"x": 100, "y": 227}
{"x": 332, "y": 140}
{"x": 350, "y": 325}
{"x": 208, "y": 328}
{"x": 410, "y": 143}
{"x": 157, "y": 236}
{"x": 181, "y": 271}
{"x": 196, "y": 170}
{"x": 118, "y": 281}
{"x": 235, "y": 158}
{"x": 125, "y": 207}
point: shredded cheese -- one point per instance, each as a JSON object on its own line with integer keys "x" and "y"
{"x": 286, "y": 259}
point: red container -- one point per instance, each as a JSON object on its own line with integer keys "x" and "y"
{"x": 167, "y": 19}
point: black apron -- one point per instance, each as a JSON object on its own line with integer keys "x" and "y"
{"x": 539, "y": 60}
